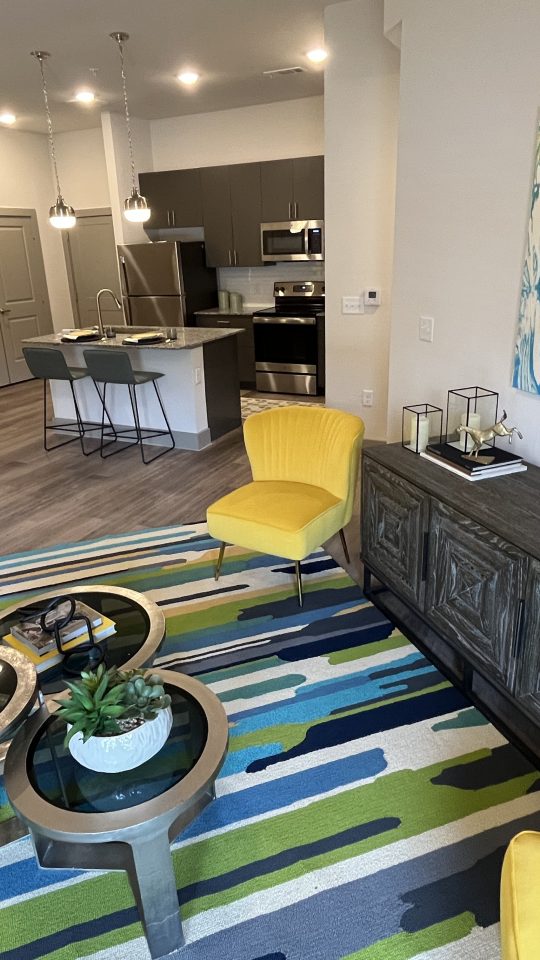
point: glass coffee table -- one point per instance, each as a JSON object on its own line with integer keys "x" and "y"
{"x": 18, "y": 690}
{"x": 140, "y": 629}
{"x": 126, "y": 821}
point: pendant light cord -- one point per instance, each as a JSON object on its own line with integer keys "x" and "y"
{"x": 126, "y": 109}
{"x": 52, "y": 150}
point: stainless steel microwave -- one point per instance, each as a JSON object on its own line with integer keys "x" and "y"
{"x": 292, "y": 240}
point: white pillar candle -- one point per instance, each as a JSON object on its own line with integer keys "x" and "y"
{"x": 474, "y": 423}
{"x": 420, "y": 433}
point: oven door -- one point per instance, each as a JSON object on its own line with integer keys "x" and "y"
{"x": 286, "y": 354}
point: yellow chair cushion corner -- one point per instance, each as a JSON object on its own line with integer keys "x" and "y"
{"x": 520, "y": 898}
{"x": 278, "y": 517}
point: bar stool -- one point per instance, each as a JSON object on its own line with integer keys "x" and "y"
{"x": 114, "y": 366}
{"x": 47, "y": 363}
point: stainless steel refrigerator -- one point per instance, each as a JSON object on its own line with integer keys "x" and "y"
{"x": 164, "y": 284}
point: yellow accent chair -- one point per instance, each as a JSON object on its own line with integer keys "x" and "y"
{"x": 520, "y": 907}
{"x": 304, "y": 462}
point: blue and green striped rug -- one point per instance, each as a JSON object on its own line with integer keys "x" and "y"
{"x": 364, "y": 807}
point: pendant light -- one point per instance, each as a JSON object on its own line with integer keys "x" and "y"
{"x": 61, "y": 215}
{"x": 136, "y": 208}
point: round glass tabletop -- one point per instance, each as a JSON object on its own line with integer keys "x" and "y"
{"x": 130, "y": 626}
{"x": 63, "y": 782}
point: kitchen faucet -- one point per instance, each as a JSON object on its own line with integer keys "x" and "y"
{"x": 98, "y": 303}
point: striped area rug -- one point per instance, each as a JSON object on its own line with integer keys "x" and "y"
{"x": 364, "y": 807}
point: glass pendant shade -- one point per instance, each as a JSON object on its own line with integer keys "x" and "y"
{"x": 136, "y": 209}
{"x": 61, "y": 215}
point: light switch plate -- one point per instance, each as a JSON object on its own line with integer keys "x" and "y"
{"x": 425, "y": 328}
{"x": 352, "y": 304}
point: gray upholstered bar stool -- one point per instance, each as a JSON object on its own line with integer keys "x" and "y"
{"x": 47, "y": 363}
{"x": 114, "y": 366}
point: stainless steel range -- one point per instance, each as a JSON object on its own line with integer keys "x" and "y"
{"x": 289, "y": 339}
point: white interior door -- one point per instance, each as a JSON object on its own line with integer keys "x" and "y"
{"x": 24, "y": 299}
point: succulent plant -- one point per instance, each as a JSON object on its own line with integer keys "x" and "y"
{"x": 103, "y": 700}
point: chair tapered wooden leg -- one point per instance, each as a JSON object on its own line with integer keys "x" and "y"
{"x": 344, "y": 545}
{"x": 220, "y": 560}
{"x": 299, "y": 583}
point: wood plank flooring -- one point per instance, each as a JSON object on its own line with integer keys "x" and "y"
{"x": 50, "y": 498}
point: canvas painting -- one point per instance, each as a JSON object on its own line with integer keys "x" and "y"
{"x": 526, "y": 374}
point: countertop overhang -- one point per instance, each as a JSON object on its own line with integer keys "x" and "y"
{"x": 188, "y": 338}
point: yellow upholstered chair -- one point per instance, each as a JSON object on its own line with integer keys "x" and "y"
{"x": 304, "y": 462}
{"x": 520, "y": 886}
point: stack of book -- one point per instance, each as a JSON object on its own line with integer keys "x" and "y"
{"x": 452, "y": 458}
{"x": 40, "y": 647}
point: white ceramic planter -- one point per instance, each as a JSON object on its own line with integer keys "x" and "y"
{"x": 125, "y": 751}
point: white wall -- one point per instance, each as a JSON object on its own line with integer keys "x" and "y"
{"x": 468, "y": 115}
{"x": 84, "y": 172}
{"x": 26, "y": 181}
{"x": 269, "y": 131}
{"x": 361, "y": 103}
{"x": 117, "y": 159}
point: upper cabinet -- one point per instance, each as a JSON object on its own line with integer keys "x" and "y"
{"x": 232, "y": 215}
{"x": 292, "y": 189}
{"x": 174, "y": 197}
{"x": 232, "y": 201}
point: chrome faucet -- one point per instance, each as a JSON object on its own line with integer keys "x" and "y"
{"x": 98, "y": 304}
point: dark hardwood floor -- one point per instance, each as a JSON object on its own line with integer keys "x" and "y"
{"x": 50, "y": 498}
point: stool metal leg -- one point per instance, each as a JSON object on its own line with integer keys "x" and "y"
{"x": 219, "y": 560}
{"x": 344, "y": 545}
{"x": 61, "y": 427}
{"x": 135, "y": 408}
{"x": 116, "y": 433}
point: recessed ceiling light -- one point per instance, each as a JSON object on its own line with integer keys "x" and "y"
{"x": 189, "y": 77}
{"x": 7, "y": 118}
{"x": 317, "y": 55}
{"x": 85, "y": 96}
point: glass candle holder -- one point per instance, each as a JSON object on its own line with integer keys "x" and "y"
{"x": 474, "y": 407}
{"x": 421, "y": 424}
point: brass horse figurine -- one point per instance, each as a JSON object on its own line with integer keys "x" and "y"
{"x": 479, "y": 437}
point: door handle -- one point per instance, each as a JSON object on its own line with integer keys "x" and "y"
{"x": 168, "y": 218}
{"x": 4, "y": 310}
{"x": 295, "y": 210}
{"x": 235, "y": 258}
{"x": 173, "y": 214}
{"x": 230, "y": 259}
{"x": 290, "y": 210}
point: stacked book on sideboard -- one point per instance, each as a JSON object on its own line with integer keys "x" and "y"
{"x": 452, "y": 458}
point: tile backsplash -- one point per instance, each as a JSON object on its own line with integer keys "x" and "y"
{"x": 256, "y": 284}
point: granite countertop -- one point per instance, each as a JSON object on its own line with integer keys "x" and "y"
{"x": 188, "y": 339}
{"x": 246, "y": 311}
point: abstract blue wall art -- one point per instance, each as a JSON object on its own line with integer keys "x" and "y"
{"x": 526, "y": 374}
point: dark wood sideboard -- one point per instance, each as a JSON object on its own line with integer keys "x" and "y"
{"x": 458, "y": 570}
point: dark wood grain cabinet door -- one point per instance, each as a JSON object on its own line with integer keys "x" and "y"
{"x": 174, "y": 197}
{"x": 475, "y": 581}
{"x": 526, "y": 650}
{"x": 217, "y": 216}
{"x": 308, "y": 188}
{"x": 246, "y": 209}
{"x": 277, "y": 190}
{"x": 394, "y": 528}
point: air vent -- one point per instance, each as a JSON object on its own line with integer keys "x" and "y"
{"x": 282, "y": 72}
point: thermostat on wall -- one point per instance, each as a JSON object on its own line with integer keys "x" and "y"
{"x": 372, "y": 296}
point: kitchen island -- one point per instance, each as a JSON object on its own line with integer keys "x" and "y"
{"x": 200, "y": 387}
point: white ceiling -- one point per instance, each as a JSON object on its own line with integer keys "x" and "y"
{"x": 229, "y": 42}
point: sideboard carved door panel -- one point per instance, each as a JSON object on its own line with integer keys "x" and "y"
{"x": 527, "y": 646}
{"x": 394, "y": 522}
{"x": 475, "y": 583}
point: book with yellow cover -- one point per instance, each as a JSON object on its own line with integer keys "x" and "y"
{"x": 48, "y": 660}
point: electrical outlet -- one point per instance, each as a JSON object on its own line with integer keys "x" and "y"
{"x": 352, "y": 304}
{"x": 367, "y": 398}
{"x": 425, "y": 328}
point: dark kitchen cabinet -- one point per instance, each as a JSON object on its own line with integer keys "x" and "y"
{"x": 245, "y": 342}
{"x": 232, "y": 215}
{"x": 292, "y": 189}
{"x": 458, "y": 566}
{"x": 174, "y": 197}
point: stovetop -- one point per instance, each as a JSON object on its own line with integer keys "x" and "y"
{"x": 296, "y": 299}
